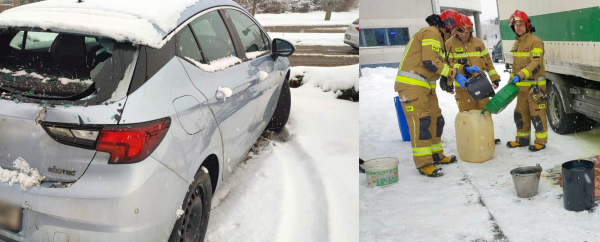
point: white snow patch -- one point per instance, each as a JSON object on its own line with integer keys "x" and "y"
{"x": 262, "y": 75}
{"x": 20, "y": 73}
{"x": 4, "y": 70}
{"x": 66, "y": 81}
{"x": 179, "y": 212}
{"x": 252, "y": 55}
{"x": 328, "y": 78}
{"x": 226, "y": 91}
{"x": 217, "y": 65}
{"x": 24, "y": 175}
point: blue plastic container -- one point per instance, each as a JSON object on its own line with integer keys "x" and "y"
{"x": 402, "y": 120}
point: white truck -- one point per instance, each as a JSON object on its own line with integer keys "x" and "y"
{"x": 571, "y": 34}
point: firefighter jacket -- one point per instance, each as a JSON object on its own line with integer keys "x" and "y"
{"x": 424, "y": 61}
{"x": 528, "y": 55}
{"x": 471, "y": 52}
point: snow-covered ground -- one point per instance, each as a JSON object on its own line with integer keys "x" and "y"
{"x": 328, "y": 79}
{"x": 307, "y": 19}
{"x": 302, "y": 185}
{"x": 325, "y": 39}
{"x": 471, "y": 202}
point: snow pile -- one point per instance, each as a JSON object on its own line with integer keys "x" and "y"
{"x": 328, "y": 78}
{"x": 216, "y": 65}
{"x": 24, "y": 175}
{"x": 307, "y": 19}
{"x": 133, "y": 20}
{"x": 324, "y": 39}
{"x": 472, "y": 201}
{"x": 4, "y": 70}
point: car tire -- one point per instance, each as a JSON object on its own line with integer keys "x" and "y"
{"x": 560, "y": 121}
{"x": 495, "y": 60}
{"x": 354, "y": 47}
{"x": 191, "y": 226}
{"x": 282, "y": 110}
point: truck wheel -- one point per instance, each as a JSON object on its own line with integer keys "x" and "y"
{"x": 282, "y": 111}
{"x": 191, "y": 226}
{"x": 560, "y": 121}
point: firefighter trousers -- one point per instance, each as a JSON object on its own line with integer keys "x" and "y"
{"x": 465, "y": 102}
{"x": 425, "y": 121}
{"x": 528, "y": 111}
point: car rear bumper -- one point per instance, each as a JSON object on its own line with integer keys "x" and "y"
{"x": 134, "y": 202}
{"x": 353, "y": 39}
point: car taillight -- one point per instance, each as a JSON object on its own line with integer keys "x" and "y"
{"x": 132, "y": 142}
{"x": 356, "y": 28}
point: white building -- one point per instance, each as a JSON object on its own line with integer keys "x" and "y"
{"x": 386, "y": 26}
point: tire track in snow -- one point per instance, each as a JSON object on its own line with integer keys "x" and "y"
{"x": 305, "y": 206}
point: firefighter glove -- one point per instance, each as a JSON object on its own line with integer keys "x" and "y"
{"x": 461, "y": 80}
{"x": 473, "y": 69}
{"x": 516, "y": 79}
{"x": 496, "y": 82}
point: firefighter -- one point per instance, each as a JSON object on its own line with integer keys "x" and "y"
{"x": 466, "y": 49}
{"x": 422, "y": 64}
{"x": 528, "y": 74}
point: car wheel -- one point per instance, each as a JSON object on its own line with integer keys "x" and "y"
{"x": 282, "y": 111}
{"x": 495, "y": 60}
{"x": 191, "y": 226}
{"x": 354, "y": 47}
{"x": 562, "y": 122}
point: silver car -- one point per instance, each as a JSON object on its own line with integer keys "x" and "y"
{"x": 132, "y": 140}
{"x": 351, "y": 37}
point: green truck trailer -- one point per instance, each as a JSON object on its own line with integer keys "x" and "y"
{"x": 571, "y": 34}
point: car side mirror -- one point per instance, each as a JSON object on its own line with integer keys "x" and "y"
{"x": 282, "y": 48}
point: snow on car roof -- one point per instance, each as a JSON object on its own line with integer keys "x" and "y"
{"x": 143, "y": 22}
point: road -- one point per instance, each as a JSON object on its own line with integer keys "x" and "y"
{"x": 316, "y": 55}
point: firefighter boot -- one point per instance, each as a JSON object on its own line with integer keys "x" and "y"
{"x": 431, "y": 171}
{"x": 446, "y": 160}
{"x": 522, "y": 142}
{"x": 536, "y": 147}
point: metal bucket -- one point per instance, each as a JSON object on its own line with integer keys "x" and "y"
{"x": 527, "y": 180}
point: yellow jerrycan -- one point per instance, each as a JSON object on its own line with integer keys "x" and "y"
{"x": 475, "y": 136}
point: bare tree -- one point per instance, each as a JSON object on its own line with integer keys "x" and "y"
{"x": 253, "y": 7}
{"x": 328, "y": 10}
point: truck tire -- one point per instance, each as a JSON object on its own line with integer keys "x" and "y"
{"x": 282, "y": 110}
{"x": 191, "y": 226}
{"x": 560, "y": 121}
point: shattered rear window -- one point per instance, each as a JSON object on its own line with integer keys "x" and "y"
{"x": 57, "y": 68}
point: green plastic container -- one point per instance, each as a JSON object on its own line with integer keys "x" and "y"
{"x": 504, "y": 97}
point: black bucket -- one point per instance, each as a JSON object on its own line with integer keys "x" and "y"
{"x": 479, "y": 87}
{"x": 578, "y": 185}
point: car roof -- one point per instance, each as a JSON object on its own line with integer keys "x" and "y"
{"x": 142, "y": 22}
